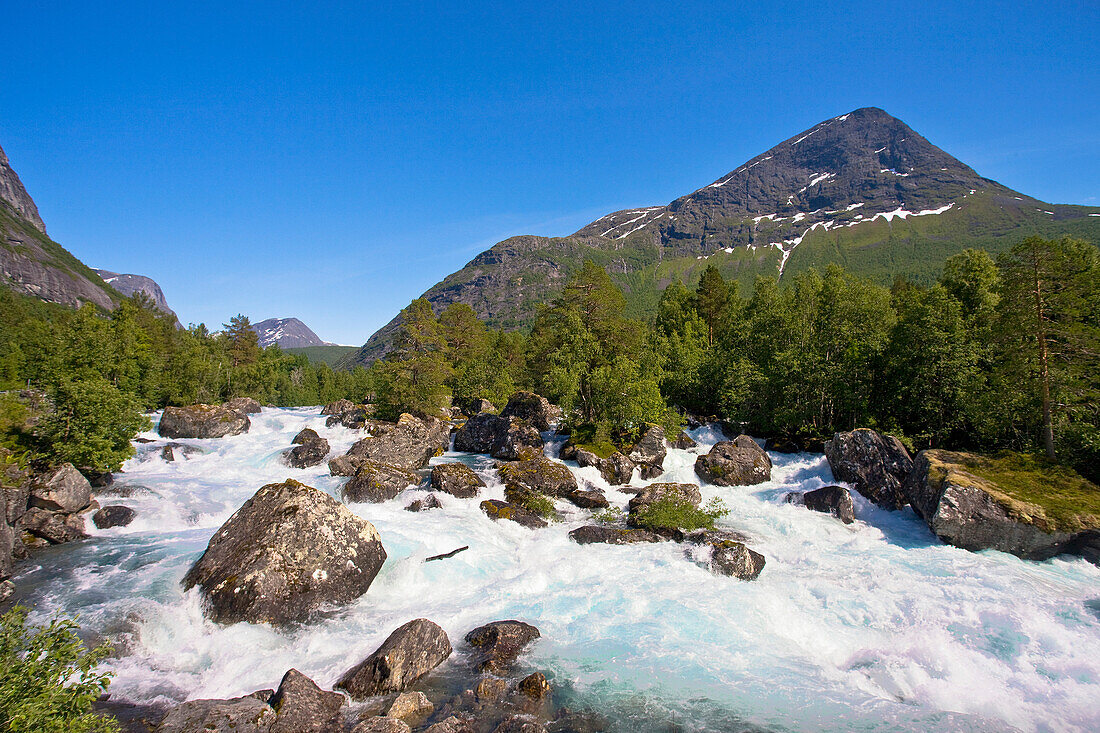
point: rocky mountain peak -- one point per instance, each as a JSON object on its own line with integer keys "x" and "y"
{"x": 288, "y": 333}
{"x": 13, "y": 192}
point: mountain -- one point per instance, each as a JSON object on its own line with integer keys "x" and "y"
{"x": 862, "y": 190}
{"x": 288, "y": 333}
{"x": 129, "y": 284}
{"x": 34, "y": 264}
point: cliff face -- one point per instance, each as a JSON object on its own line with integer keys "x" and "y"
{"x": 13, "y": 192}
{"x": 128, "y": 284}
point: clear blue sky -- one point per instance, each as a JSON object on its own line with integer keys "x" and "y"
{"x": 332, "y": 162}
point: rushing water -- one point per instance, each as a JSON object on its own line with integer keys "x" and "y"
{"x": 871, "y": 626}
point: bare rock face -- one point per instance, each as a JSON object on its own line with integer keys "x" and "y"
{"x": 377, "y": 482}
{"x": 64, "y": 489}
{"x": 738, "y": 462}
{"x": 202, "y": 421}
{"x": 875, "y": 465}
{"x": 534, "y": 409}
{"x": 409, "y": 444}
{"x": 238, "y": 715}
{"x": 303, "y": 707}
{"x": 456, "y": 479}
{"x": 247, "y": 405}
{"x": 288, "y": 551}
{"x": 113, "y": 516}
{"x": 649, "y": 452}
{"x": 499, "y": 644}
{"x": 499, "y": 436}
{"x": 975, "y": 514}
{"x": 408, "y": 654}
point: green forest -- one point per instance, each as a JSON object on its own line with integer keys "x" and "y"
{"x": 997, "y": 355}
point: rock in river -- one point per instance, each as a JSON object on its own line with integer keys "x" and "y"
{"x": 499, "y": 643}
{"x": 286, "y": 552}
{"x": 875, "y": 465}
{"x": 456, "y": 479}
{"x": 408, "y": 654}
{"x": 737, "y": 462}
{"x": 202, "y": 421}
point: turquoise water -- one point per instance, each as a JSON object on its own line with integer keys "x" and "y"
{"x": 871, "y": 626}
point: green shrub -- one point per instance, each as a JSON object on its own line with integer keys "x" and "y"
{"x": 537, "y": 503}
{"x": 609, "y": 516}
{"x": 676, "y": 512}
{"x": 48, "y": 679}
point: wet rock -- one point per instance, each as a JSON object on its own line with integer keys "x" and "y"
{"x": 497, "y": 509}
{"x": 537, "y": 475}
{"x": 171, "y": 450}
{"x": 382, "y": 724}
{"x": 501, "y": 437}
{"x": 520, "y": 724}
{"x": 377, "y": 482}
{"x": 408, "y": 654}
{"x": 453, "y": 724}
{"x": 339, "y": 407}
{"x": 353, "y": 419}
{"x": 594, "y": 533}
{"x": 649, "y": 452}
{"x": 684, "y": 441}
{"x": 588, "y": 498}
{"x": 737, "y": 462}
{"x": 244, "y": 405}
{"x": 54, "y": 527}
{"x": 168, "y": 454}
{"x": 431, "y": 501}
{"x": 63, "y": 489}
{"x": 712, "y": 536}
{"x": 408, "y": 445}
{"x": 113, "y": 516}
{"x": 499, "y": 644}
{"x": 305, "y": 435}
{"x": 303, "y": 707}
{"x": 875, "y": 465}
{"x": 286, "y": 552}
{"x": 534, "y": 409}
{"x": 309, "y": 453}
{"x": 659, "y": 492}
{"x": 412, "y": 707}
{"x": 616, "y": 469}
{"x": 456, "y": 479}
{"x": 239, "y": 715}
{"x": 833, "y": 500}
{"x": 202, "y": 421}
{"x": 534, "y": 686}
{"x": 569, "y": 721}
{"x": 344, "y": 465}
{"x": 736, "y": 560}
{"x": 98, "y": 479}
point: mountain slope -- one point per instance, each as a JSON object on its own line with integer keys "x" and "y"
{"x": 286, "y": 332}
{"x": 128, "y": 284}
{"x": 862, "y": 189}
{"x": 31, "y": 262}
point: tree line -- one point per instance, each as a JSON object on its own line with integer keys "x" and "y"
{"x": 995, "y": 355}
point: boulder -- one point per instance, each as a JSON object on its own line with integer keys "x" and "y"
{"x": 382, "y": 724}
{"x": 288, "y": 551}
{"x": 657, "y": 492}
{"x": 113, "y": 516}
{"x": 239, "y": 715}
{"x": 499, "y": 436}
{"x": 377, "y": 482}
{"x": 409, "y": 653}
{"x": 735, "y": 560}
{"x": 431, "y": 501}
{"x": 537, "y": 475}
{"x": 616, "y": 469}
{"x": 98, "y": 479}
{"x": 974, "y": 513}
{"x": 412, "y": 707}
{"x": 452, "y": 724}
{"x": 202, "y": 421}
{"x": 593, "y": 533}
{"x": 54, "y": 527}
{"x": 305, "y": 435}
{"x": 835, "y": 500}
{"x": 170, "y": 450}
{"x": 497, "y": 509}
{"x": 409, "y": 444}
{"x": 303, "y": 707}
{"x": 309, "y": 453}
{"x": 344, "y": 465}
{"x": 499, "y": 643}
{"x": 534, "y": 686}
{"x": 353, "y": 419}
{"x": 339, "y": 407}
{"x": 737, "y": 462}
{"x": 649, "y": 452}
{"x": 875, "y": 465}
{"x": 534, "y": 409}
{"x": 684, "y": 441}
{"x": 63, "y": 489}
{"x": 244, "y": 405}
{"x": 456, "y": 479}
{"x": 588, "y": 498}
{"x": 520, "y": 724}
{"x": 475, "y": 406}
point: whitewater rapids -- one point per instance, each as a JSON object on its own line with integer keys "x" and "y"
{"x": 870, "y": 626}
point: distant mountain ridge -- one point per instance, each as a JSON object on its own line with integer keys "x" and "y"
{"x": 862, "y": 189}
{"x": 129, "y": 284}
{"x": 287, "y": 333}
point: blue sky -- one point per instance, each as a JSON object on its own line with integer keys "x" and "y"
{"x": 332, "y": 162}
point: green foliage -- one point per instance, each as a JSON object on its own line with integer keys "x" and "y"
{"x": 537, "y": 503}
{"x": 91, "y": 424}
{"x": 609, "y": 516}
{"x": 675, "y": 512}
{"x": 48, "y": 679}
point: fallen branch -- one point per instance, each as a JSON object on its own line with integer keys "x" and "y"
{"x": 444, "y": 556}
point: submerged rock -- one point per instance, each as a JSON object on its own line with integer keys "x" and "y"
{"x": 499, "y": 644}
{"x": 288, "y": 551}
{"x": 497, "y": 509}
{"x": 412, "y": 707}
{"x": 456, "y": 479}
{"x": 534, "y": 409}
{"x": 202, "y": 421}
{"x": 408, "y": 654}
{"x": 737, "y": 462}
{"x": 431, "y": 501}
{"x": 377, "y": 482}
{"x": 113, "y": 516}
{"x": 875, "y": 465}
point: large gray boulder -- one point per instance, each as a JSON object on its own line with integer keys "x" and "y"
{"x": 649, "y": 452}
{"x": 974, "y": 513}
{"x": 115, "y": 515}
{"x": 288, "y": 551}
{"x": 499, "y": 643}
{"x": 303, "y": 707}
{"x": 835, "y": 500}
{"x": 408, "y": 654}
{"x": 456, "y": 479}
{"x": 245, "y": 405}
{"x": 875, "y": 465}
{"x": 55, "y": 527}
{"x": 595, "y": 533}
{"x": 534, "y": 409}
{"x": 63, "y": 489}
{"x": 737, "y": 462}
{"x": 502, "y": 437}
{"x": 377, "y": 482}
{"x": 538, "y": 476}
{"x": 617, "y": 469}
{"x": 239, "y": 715}
{"x": 409, "y": 444}
{"x": 736, "y": 560}
{"x": 307, "y": 452}
{"x": 202, "y": 421}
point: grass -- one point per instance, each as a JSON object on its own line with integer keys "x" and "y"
{"x": 1068, "y": 501}
{"x": 675, "y": 512}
